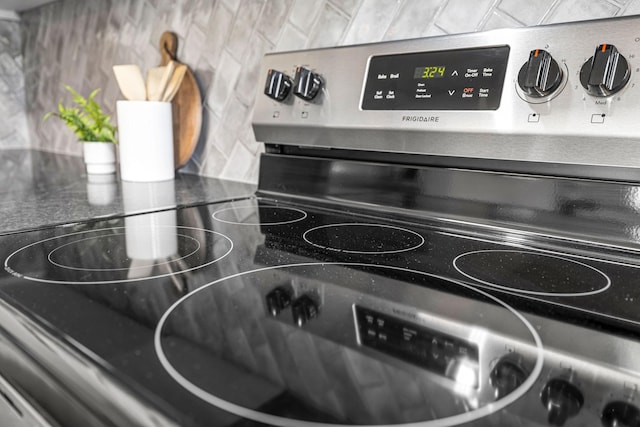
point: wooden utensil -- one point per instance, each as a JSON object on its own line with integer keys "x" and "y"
{"x": 157, "y": 80}
{"x": 187, "y": 104}
{"x": 174, "y": 84}
{"x": 130, "y": 81}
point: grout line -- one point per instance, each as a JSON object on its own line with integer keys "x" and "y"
{"x": 549, "y": 11}
{"x": 502, "y": 13}
{"x": 399, "y": 5}
{"x": 487, "y": 15}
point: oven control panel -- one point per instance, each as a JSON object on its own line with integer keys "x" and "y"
{"x": 557, "y": 94}
{"x": 464, "y": 79}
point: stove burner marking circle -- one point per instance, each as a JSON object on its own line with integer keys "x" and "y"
{"x": 302, "y": 214}
{"x": 275, "y": 420}
{"x": 52, "y": 261}
{"x": 16, "y": 253}
{"x": 600, "y": 274}
{"x": 407, "y": 234}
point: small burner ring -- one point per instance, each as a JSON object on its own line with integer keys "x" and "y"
{"x": 379, "y": 239}
{"x": 52, "y": 261}
{"x": 264, "y": 212}
{"x": 35, "y": 249}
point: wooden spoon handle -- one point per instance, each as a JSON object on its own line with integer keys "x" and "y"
{"x": 168, "y": 47}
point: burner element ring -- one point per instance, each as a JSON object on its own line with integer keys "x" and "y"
{"x": 379, "y": 239}
{"x": 264, "y": 213}
{"x": 532, "y": 273}
{"x": 17, "y": 263}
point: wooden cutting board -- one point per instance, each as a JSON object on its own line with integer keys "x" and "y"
{"x": 187, "y": 105}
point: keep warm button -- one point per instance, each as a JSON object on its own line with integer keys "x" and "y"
{"x": 467, "y": 92}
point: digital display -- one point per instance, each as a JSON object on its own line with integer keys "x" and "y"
{"x": 429, "y": 72}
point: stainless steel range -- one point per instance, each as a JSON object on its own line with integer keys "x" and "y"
{"x": 445, "y": 234}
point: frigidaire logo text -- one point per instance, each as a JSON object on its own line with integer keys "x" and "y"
{"x": 430, "y": 119}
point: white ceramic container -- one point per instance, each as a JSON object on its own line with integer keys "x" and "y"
{"x": 145, "y": 130}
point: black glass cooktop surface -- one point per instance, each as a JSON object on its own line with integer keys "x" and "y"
{"x": 261, "y": 313}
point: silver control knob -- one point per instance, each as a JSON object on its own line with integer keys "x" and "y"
{"x": 278, "y": 85}
{"x": 606, "y": 72}
{"x": 541, "y": 75}
{"x": 306, "y": 84}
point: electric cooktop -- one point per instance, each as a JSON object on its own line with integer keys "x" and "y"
{"x": 258, "y": 312}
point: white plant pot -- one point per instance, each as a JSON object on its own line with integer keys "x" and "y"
{"x": 100, "y": 157}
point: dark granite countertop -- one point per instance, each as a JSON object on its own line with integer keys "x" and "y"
{"x": 44, "y": 189}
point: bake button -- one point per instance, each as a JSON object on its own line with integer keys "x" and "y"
{"x": 597, "y": 118}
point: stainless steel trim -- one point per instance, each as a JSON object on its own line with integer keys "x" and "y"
{"x": 564, "y": 133}
{"x": 67, "y": 385}
{"x": 591, "y": 212}
{"x": 16, "y": 411}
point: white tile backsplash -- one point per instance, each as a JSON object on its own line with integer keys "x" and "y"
{"x": 329, "y": 29}
{"x": 527, "y": 12}
{"x": 13, "y": 110}
{"x": 413, "y": 18}
{"x": 371, "y": 21}
{"x": 579, "y": 10}
{"x": 459, "y": 16}
{"x": 77, "y": 41}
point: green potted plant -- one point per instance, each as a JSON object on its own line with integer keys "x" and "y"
{"x": 93, "y": 128}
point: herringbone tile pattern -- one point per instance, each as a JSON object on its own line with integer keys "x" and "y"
{"x": 77, "y": 41}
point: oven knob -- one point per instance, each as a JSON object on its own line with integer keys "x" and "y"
{"x": 278, "y": 85}
{"x": 606, "y": 72}
{"x": 507, "y": 375}
{"x": 620, "y": 414}
{"x": 304, "y": 309}
{"x": 277, "y": 300}
{"x": 562, "y": 400}
{"x": 541, "y": 75}
{"x": 306, "y": 84}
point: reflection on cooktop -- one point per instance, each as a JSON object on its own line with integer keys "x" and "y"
{"x": 370, "y": 352}
{"x": 333, "y": 318}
